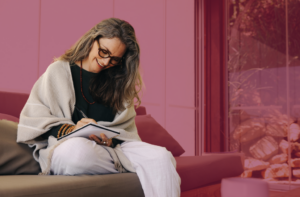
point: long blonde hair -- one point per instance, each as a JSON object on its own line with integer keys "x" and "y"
{"x": 117, "y": 84}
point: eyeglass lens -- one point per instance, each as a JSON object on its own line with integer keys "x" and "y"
{"x": 104, "y": 54}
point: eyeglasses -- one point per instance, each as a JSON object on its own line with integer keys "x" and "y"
{"x": 116, "y": 61}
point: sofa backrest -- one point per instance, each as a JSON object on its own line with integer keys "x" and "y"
{"x": 12, "y": 103}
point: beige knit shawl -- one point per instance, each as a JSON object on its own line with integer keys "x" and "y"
{"x": 51, "y": 103}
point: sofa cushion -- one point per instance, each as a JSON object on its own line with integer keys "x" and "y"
{"x": 152, "y": 132}
{"x": 199, "y": 171}
{"x": 8, "y": 117}
{"x": 12, "y": 103}
{"x": 15, "y": 158}
{"x": 110, "y": 185}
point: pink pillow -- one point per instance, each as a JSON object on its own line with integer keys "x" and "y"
{"x": 153, "y": 133}
{"x": 8, "y": 117}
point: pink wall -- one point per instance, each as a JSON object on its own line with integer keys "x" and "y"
{"x": 34, "y": 31}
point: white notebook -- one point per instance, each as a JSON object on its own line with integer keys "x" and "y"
{"x": 89, "y": 129}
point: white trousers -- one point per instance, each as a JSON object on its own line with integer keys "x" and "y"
{"x": 155, "y": 165}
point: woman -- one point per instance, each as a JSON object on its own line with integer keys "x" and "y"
{"x": 98, "y": 76}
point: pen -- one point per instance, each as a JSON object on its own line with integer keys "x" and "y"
{"x": 81, "y": 112}
{"x": 87, "y": 117}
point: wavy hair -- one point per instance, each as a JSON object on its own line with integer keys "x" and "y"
{"x": 117, "y": 84}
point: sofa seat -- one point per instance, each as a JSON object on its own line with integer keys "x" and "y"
{"x": 110, "y": 185}
{"x": 195, "y": 172}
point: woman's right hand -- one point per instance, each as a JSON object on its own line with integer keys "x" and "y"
{"x": 83, "y": 122}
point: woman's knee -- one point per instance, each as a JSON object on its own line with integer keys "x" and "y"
{"x": 161, "y": 153}
{"x": 73, "y": 148}
{"x": 148, "y": 152}
{"x": 166, "y": 154}
{"x": 165, "y": 157}
{"x": 73, "y": 154}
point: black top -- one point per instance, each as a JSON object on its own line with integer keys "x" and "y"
{"x": 96, "y": 111}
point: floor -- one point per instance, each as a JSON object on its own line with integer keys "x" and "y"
{"x": 214, "y": 191}
{"x": 292, "y": 193}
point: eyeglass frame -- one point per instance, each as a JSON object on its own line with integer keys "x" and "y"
{"x": 122, "y": 58}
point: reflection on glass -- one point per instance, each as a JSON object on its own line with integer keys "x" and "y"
{"x": 263, "y": 78}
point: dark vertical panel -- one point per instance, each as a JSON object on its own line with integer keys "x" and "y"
{"x": 197, "y": 25}
{"x": 215, "y": 94}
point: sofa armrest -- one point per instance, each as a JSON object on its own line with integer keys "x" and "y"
{"x": 242, "y": 155}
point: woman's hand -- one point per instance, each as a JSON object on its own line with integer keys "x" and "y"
{"x": 83, "y": 122}
{"x": 104, "y": 141}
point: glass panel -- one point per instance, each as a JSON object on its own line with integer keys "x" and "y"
{"x": 264, "y": 101}
{"x": 294, "y": 79}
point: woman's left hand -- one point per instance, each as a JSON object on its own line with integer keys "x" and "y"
{"x": 105, "y": 141}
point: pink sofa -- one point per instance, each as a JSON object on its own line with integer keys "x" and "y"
{"x": 21, "y": 179}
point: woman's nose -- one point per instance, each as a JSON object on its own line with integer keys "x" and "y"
{"x": 105, "y": 61}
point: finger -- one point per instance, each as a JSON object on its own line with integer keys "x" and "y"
{"x": 92, "y": 136}
{"x": 84, "y": 119}
{"x": 103, "y": 137}
{"x": 88, "y": 120}
{"x": 80, "y": 124}
{"x": 96, "y": 139}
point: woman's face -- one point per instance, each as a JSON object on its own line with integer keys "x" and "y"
{"x": 94, "y": 63}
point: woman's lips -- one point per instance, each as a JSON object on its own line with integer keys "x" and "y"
{"x": 99, "y": 64}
